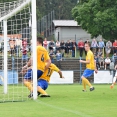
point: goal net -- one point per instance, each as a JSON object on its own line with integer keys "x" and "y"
{"x": 15, "y": 48}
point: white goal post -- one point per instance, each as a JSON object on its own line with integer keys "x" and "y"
{"x": 4, "y": 17}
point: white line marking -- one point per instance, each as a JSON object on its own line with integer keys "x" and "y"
{"x": 63, "y": 109}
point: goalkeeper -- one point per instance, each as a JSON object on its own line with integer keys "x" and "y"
{"x": 114, "y": 79}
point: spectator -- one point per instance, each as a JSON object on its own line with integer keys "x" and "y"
{"x": 51, "y": 45}
{"x": 12, "y": 46}
{"x": 58, "y": 58}
{"x": 18, "y": 44}
{"x": 97, "y": 61}
{"x": 101, "y": 62}
{"x": 70, "y": 47}
{"x": 67, "y": 48}
{"x": 101, "y": 44}
{"x": 0, "y": 47}
{"x": 81, "y": 47}
{"x": 24, "y": 53}
{"x": 52, "y": 55}
{"x": 107, "y": 62}
{"x": 108, "y": 48}
{"x": 115, "y": 46}
{"x": 94, "y": 45}
{"x": 62, "y": 45}
{"x": 114, "y": 58}
{"x": 74, "y": 45}
{"x": 45, "y": 43}
{"x": 99, "y": 53}
{"x": 57, "y": 45}
{"x": 24, "y": 49}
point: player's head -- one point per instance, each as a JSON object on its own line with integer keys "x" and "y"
{"x": 87, "y": 46}
{"x": 39, "y": 41}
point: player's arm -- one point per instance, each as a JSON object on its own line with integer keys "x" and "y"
{"x": 86, "y": 62}
{"x": 28, "y": 64}
{"x": 60, "y": 74}
{"x": 48, "y": 61}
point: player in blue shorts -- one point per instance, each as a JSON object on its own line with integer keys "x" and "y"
{"x": 90, "y": 68}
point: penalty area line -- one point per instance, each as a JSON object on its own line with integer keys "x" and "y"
{"x": 63, "y": 109}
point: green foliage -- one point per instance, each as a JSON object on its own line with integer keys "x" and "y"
{"x": 97, "y": 17}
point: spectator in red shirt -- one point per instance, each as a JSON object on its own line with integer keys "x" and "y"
{"x": 81, "y": 47}
{"x": 45, "y": 43}
{"x": 115, "y": 46}
{"x": 24, "y": 49}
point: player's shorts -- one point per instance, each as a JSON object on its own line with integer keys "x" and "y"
{"x": 87, "y": 73}
{"x": 29, "y": 74}
{"x": 43, "y": 84}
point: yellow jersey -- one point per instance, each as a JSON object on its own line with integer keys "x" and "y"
{"x": 42, "y": 57}
{"x": 90, "y": 57}
{"x": 47, "y": 74}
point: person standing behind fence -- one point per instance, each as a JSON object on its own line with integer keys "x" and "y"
{"x": 108, "y": 48}
{"x": 12, "y": 46}
{"x": 45, "y": 43}
{"x": 81, "y": 47}
{"x": 58, "y": 58}
{"x": 67, "y": 48}
{"x": 101, "y": 45}
{"x": 115, "y": 46}
{"x": 74, "y": 45}
{"x": 18, "y": 44}
{"x": 24, "y": 49}
{"x": 94, "y": 46}
{"x": 57, "y": 45}
{"x": 70, "y": 47}
{"x": 62, "y": 45}
{"x": 51, "y": 45}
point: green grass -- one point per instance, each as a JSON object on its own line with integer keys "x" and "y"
{"x": 66, "y": 101}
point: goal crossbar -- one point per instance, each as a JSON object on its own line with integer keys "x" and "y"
{"x": 13, "y": 10}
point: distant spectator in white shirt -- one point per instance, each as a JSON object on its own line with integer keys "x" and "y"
{"x": 18, "y": 44}
{"x": 107, "y": 62}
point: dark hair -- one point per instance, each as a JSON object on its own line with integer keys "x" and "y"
{"x": 40, "y": 40}
{"x": 88, "y": 44}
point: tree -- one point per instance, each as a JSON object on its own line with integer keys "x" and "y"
{"x": 97, "y": 17}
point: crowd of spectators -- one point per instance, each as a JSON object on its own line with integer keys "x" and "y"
{"x": 61, "y": 49}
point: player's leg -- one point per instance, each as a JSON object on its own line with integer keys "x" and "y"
{"x": 42, "y": 86}
{"x": 114, "y": 80}
{"x": 87, "y": 73}
{"x": 27, "y": 80}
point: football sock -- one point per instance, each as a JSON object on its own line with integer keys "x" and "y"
{"x": 87, "y": 82}
{"x": 84, "y": 84}
{"x": 39, "y": 89}
{"x": 29, "y": 85}
{"x": 114, "y": 80}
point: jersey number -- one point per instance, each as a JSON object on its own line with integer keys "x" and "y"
{"x": 49, "y": 72}
{"x": 42, "y": 57}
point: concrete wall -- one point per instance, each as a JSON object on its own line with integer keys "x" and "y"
{"x": 66, "y": 33}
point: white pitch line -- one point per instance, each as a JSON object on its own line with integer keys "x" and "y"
{"x": 63, "y": 109}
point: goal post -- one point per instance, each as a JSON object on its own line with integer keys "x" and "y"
{"x": 17, "y": 21}
{"x": 34, "y": 36}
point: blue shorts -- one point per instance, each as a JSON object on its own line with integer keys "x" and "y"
{"x": 87, "y": 73}
{"x": 42, "y": 83}
{"x": 29, "y": 74}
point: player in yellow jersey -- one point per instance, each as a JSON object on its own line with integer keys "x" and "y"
{"x": 90, "y": 68}
{"x": 42, "y": 58}
{"x": 45, "y": 78}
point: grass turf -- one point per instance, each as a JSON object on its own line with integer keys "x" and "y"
{"x": 66, "y": 101}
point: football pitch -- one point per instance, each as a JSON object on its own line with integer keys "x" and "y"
{"x": 66, "y": 101}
